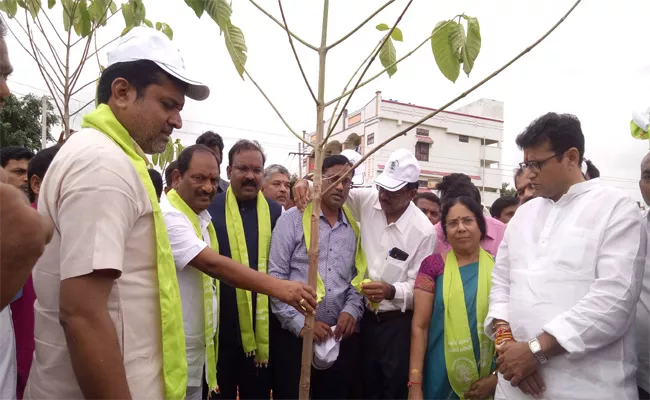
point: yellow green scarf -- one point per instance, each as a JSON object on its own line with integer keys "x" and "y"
{"x": 459, "y": 350}
{"x": 360, "y": 258}
{"x": 256, "y": 343}
{"x": 211, "y": 339}
{"x": 171, "y": 312}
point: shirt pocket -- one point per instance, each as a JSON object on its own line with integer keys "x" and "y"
{"x": 394, "y": 270}
{"x": 576, "y": 252}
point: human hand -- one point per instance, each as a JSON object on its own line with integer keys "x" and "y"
{"x": 482, "y": 389}
{"x": 533, "y": 385}
{"x": 517, "y": 362}
{"x": 301, "y": 195}
{"x": 375, "y": 291}
{"x": 322, "y": 332}
{"x": 298, "y": 295}
{"x": 345, "y": 326}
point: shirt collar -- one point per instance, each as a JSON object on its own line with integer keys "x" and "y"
{"x": 342, "y": 219}
{"x": 580, "y": 188}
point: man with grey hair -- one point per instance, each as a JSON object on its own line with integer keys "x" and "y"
{"x": 276, "y": 184}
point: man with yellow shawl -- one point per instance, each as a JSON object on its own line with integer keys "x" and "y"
{"x": 108, "y": 317}
{"x": 243, "y": 220}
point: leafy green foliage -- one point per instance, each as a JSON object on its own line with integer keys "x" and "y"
{"x": 20, "y": 122}
{"x": 197, "y": 6}
{"x": 388, "y": 57}
{"x": 10, "y": 7}
{"x": 452, "y": 47}
{"x": 221, "y": 11}
{"x": 166, "y": 29}
{"x": 507, "y": 191}
{"x": 171, "y": 153}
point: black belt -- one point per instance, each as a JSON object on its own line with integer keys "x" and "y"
{"x": 385, "y": 316}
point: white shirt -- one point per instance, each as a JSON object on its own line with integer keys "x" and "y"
{"x": 8, "y": 376}
{"x": 413, "y": 233}
{"x": 573, "y": 269}
{"x": 185, "y": 247}
{"x": 643, "y": 321}
{"x": 102, "y": 219}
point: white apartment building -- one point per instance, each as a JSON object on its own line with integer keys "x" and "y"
{"x": 467, "y": 140}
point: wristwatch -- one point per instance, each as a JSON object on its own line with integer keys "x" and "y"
{"x": 536, "y": 348}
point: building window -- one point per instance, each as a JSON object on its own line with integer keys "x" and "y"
{"x": 422, "y": 132}
{"x": 463, "y": 138}
{"x": 422, "y": 151}
{"x": 371, "y": 139}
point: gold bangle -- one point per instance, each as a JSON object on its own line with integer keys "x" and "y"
{"x": 415, "y": 371}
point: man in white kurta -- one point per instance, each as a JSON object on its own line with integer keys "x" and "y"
{"x": 567, "y": 276}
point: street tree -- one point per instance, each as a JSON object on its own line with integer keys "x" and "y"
{"x": 507, "y": 191}
{"x": 21, "y": 122}
{"x": 455, "y": 43}
{"x": 59, "y": 60}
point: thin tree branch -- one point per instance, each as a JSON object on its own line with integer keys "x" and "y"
{"x": 367, "y": 81}
{"x": 83, "y": 87}
{"x": 459, "y": 97}
{"x": 338, "y": 103}
{"x": 360, "y": 26}
{"x": 57, "y": 60}
{"x": 347, "y": 101}
{"x": 77, "y": 72}
{"x": 313, "y": 96}
{"x": 101, "y": 48}
{"x": 84, "y": 106}
{"x": 53, "y": 28}
{"x": 311, "y": 46}
{"x": 98, "y": 24}
{"x": 35, "y": 48}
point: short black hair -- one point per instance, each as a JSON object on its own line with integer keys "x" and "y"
{"x": 427, "y": 196}
{"x": 185, "y": 158}
{"x": 169, "y": 171}
{"x": 337, "y": 159}
{"x": 245, "y": 144}
{"x": 501, "y": 204}
{"x": 472, "y": 205}
{"x": 140, "y": 74}
{"x": 14, "y": 153}
{"x": 156, "y": 178}
{"x": 412, "y": 185}
{"x": 592, "y": 171}
{"x": 211, "y": 140}
{"x": 38, "y": 166}
{"x": 562, "y": 131}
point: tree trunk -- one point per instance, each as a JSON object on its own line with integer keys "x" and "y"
{"x": 308, "y": 337}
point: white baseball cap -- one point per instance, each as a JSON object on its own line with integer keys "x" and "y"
{"x": 142, "y": 43}
{"x": 402, "y": 168}
{"x": 354, "y": 158}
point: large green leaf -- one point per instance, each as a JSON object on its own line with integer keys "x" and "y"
{"x": 148, "y": 23}
{"x": 397, "y": 35}
{"x": 68, "y": 17}
{"x": 112, "y": 7}
{"x": 166, "y": 29}
{"x": 457, "y": 36}
{"x": 139, "y": 11}
{"x": 236, "y": 46}
{"x": 197, "y": 6}
{"x": 34, "y": 6}
{"x": 168, "y": 155}
{"x": 127, "y": 13}
{"x": 446, "y": 58}
{"x": 10, "y": 7}
{"x": 82, "y": 25}
{"x": 51, "y": 4}
{"x": 220, "y": 11}
{"x": 154, "y": 159}
{"x": 388, "y": 56}
{"x": 382, "y": 27}
{"x": 472, "y": 44}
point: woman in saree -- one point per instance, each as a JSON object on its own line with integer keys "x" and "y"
{"x": 451, "y": 357}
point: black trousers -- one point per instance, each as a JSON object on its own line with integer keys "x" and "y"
{"x": 236, "y": 371}
{"x": 643, "y": 395}
{"x": 385, "y": 346}
{"x": 332, "y": 383}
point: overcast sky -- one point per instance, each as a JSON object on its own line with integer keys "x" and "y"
{"x": 595, "y": 65}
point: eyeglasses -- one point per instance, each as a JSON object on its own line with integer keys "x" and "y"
{"x": 347, "y": 182}
{"x": 466, "y": 221}
{"x": 243, "y": 169}
{"x": 536, "y": 166}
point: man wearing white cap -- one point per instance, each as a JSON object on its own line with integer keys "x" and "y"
{"x": 108, "y": 319}
{"x": 396, "y": 236}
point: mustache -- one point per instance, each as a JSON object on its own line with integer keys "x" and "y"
{"x": 249, "y": 182}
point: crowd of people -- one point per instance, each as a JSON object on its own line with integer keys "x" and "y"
{"x": 194, "y": 286}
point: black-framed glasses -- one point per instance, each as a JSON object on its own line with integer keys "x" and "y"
{"x": 535, "y": 166}
{"x": 244, "y": 169}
